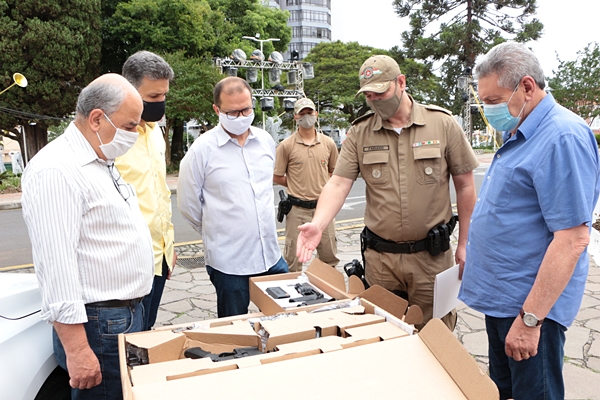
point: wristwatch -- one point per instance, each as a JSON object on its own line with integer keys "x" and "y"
{"x": 530, "y": 319}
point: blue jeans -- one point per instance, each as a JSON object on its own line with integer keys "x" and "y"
{"x": 152, "y": 300}
{"x": 102, "y": 330}
{"x": 233, "y": 291}
{"x": 538, "y": 377}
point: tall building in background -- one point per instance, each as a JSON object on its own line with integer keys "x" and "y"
{"x": 310, "y": 21}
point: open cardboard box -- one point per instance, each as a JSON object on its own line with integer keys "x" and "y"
{"x": 377, "y": 357}
{"x": 429, "y": 365}
{"x": 330, "y": 281}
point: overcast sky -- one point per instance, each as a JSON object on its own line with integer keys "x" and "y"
{"x": 568, "y": 26}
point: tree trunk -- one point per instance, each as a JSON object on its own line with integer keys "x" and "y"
{"x": 36, "y": 137}
{"x": 165, "y": 133}
{"x": 31, "y": 139}
{"x": 177, "y": 142}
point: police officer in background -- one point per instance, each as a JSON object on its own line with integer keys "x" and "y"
{"x": 406, "y": 153}
{"x": 303, "y": 164}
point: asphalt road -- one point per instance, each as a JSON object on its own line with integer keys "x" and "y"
{"x": 15, "y": 247}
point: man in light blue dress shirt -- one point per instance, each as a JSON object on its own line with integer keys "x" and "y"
{"x": 527, "y": 263}
{"x": 225, "y": 192}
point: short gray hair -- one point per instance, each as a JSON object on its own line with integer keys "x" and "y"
{"x": 511, "y": 61}
{"x": 100, "y": 95}
{"x": 145, "y": 64}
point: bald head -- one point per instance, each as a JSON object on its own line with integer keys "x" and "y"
{"x": 229, "y": 86}
{"x": 107, "y": 93}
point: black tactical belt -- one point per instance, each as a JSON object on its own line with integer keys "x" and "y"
{"x": 381, "y": 245}
{"x": 302, "y": 203}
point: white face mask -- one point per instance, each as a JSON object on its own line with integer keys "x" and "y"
{"x": 237, "y": 126}
{"x": 307, "y": 121}
{"x": 122, "y": 142}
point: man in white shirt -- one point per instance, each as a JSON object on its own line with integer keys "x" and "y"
{"x": 92, "y": 250}
{"x": 225, "y": 192}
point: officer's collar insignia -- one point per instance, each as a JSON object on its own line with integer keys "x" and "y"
{"x": 369, "y": 72}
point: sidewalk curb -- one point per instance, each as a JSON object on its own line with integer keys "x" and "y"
{"x": 10, "y": 206}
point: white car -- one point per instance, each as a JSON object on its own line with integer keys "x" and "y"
{"x": 27, "y": 364}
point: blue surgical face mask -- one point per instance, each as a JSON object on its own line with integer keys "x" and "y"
{"x": 500, "y": 117}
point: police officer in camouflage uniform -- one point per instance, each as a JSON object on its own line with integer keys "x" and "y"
{"x": 406, "y": 152}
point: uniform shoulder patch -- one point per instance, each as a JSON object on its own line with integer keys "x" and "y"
{"x": 363, "y": 117}
{"x": 437, "y": 108}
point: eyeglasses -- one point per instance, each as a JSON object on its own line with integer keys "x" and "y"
{"x": 236, "y": 113}
{"x": 122, "y": 187}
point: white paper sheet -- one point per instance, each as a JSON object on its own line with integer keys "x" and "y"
{"x": 445, "y": 292}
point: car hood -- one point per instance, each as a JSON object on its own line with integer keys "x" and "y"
{"x": 19, "y": 295}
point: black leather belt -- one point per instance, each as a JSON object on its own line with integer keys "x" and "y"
{"x": 302, "y": 203}
{"x": 115, "y": 303}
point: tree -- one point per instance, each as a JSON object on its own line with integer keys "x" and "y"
{"x": 576, "y": 84}
{"x": 468, "y": 28}
{"x": 247, "y": 18}
{"x": 161, "y": 26}
{"x": 190, "y": 97}
{"x": 57, "y": 48}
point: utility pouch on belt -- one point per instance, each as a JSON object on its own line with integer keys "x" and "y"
{"x": 439, "y": 237}
{"x": 284, "y": 206}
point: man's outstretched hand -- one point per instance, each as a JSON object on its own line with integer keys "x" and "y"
{"x": 308, "y": 240}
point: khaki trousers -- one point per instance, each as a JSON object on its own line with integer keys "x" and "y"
{"x": 412, "y": 273}
{"x": 326, "y": 250}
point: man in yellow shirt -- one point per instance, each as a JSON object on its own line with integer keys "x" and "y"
{"x": 144, "y": 167}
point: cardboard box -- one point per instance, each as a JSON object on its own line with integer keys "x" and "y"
{"x": 429, "y": 365}
{"x": 320, "y": 275}
{"x": 331, "y": 282}
{"x": 359, "y": 352}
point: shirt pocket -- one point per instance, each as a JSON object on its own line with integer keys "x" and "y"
{"x": 499, "y": 186}
{"x": 428, "y": 161}
{"x": 376, "y": 169}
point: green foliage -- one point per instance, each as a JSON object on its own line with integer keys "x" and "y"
{"x": 55, "y": 130}
{"x": 8, "y": 180}
{"x": 576, "y": 84}
{"x": 173, "y": 168}
{"x": 162, "y": 26}
{"x": 335, "y": 118}
{"x": 199, "y": 28}
{"x": 247, "y": 18}
{"x": 455, "y": 32}
{"x": 190, "y": 96}
{"x": 598, "y": 139}
{"x": 57, "y": 48}
{"x": 190, "y": 92}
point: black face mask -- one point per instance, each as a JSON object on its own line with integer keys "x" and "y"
{"x": 153, "y": 111}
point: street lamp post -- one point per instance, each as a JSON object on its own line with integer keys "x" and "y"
{"x": 262, "y": 71}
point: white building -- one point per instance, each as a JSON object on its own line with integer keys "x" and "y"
{"x": 310, "y": 21}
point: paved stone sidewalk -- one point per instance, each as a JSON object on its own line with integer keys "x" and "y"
{"x": 189, "y": 296}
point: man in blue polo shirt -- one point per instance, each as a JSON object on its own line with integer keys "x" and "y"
{"x": 527, "y": 263}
